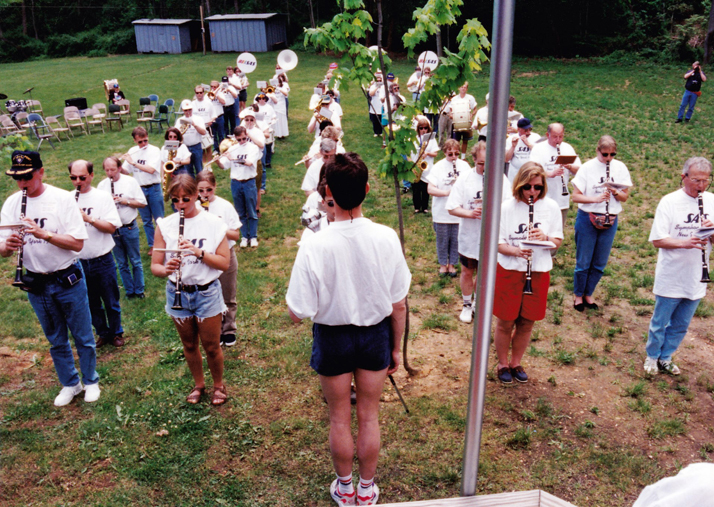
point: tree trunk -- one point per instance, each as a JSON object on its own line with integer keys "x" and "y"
{"x": 709, "y": 42}
{"x": 32, "y": 14}
{"x": 398, "y": 194}
{"x": 439, "y": 47}
{"x": 208, "y": 7}
{"x": 23, "y": 9}
{"x": 312, "y": 15}
{"x": 236, "y": 8}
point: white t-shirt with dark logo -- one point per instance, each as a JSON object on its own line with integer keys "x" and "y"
{"x": 125, "y": 186}
{"x": 148, "y": 155}
{"x": 100, "y": 206}
{"x": 546, "y": 155}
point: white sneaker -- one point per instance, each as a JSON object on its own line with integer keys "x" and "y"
{"x": 253, "y": 242}
{"x": 668, "y": 367}
{"x": 67, "y": 394}
{"x": 244, "y": 242}
{"x": 369, "y": 500}
{"x": 651, "y": 366}
{"x": 91, "y": 393}
{"x": 467, "y": 314}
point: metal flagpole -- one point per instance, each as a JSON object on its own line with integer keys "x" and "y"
{"x": 499, "y": 88}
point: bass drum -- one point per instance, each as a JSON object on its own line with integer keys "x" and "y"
{"x": 462, "y": 121}
{"x": 11, "y": 106}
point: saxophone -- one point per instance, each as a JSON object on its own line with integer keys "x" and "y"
{"x": 168, "y": 169}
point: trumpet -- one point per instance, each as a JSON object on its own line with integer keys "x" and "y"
{"x": 268, "y": 89}
{"x": 211, "y": 95}
{"x": 177, "y": 295}
{"x": 527, "y": 288}
{"x": 18, "y": 270}
{"x": 705, "y": 268}
{"x": 320, "y": 118}
{"x": 185, "y": 124}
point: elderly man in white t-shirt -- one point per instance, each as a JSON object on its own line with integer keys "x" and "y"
{"x": 682, "y": 263}
{"x": 462, "y": 104}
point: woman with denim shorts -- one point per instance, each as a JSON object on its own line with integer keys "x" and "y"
{"x": 204, "y": 255}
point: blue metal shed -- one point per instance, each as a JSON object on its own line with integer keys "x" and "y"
{"x": 163, "y": 35}
{"x": 247, "y": 32}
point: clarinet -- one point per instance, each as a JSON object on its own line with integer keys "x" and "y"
{"x": 18, "y": 271}
{"x": 705, "y": 268}
{"x": 177, "y": 296}
{"x": 527, "y": 289}
{"x": 562, "y": 179}
{"x": 112, "y": 184}
{"x": 607, "y": 223}
{"x": 76, "y": 195}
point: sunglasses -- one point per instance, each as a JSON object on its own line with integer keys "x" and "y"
{"x": 453, "y": 154}
{"x": 331, "y": 204}
{"x": 528, "y": 186}
{"x": 23, "y": 177}
{"x": 613, "y": 154}
{"x": 199, "y": 93}
{"x": 142, "y": 141}
{"x": 241, "y": 139}
{"x": 74, "y": 178}
{"x": 182, "y": 199}
{"x": 201, "y": 190}
{"x": 423, "y": 128}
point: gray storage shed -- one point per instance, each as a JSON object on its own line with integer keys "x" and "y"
{"x": 247, "y": 32}
{"x": 163, "y": 35}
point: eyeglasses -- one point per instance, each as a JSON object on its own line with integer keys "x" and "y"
{"x": 199, "y": 93}
{"x": 209, "y": 189}
{"x": 696, "y": 181}
{"x": 74, "y": 178}
{"x": 248, "y": 119}
{"x": 613, "y": 154}
{"x": 23, "y": 177}
{"x": 423, "y": 128}
{"x": 142, "y": 141}
{"x": 182, "y": 199}
{"x": 241, "y": 139}
{"x": 528, "y": 186}
{"x": 453, "y": 154}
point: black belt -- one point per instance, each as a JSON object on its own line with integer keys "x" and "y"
{"x": 189, "y": 289}
{"x": 149, "y": 186}
{"x": 133, "y": 222}
{"x": 54, "y": 274}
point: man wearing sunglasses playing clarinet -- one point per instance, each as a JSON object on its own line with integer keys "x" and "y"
{"x": 50, "y": 243}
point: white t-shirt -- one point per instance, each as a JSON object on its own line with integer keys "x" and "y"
{"x": 100, "y": 206}
{"x": 191, "y": 137}
{"x": 352, "y": 272}
{"x": 204, "y": 110}
{"x": 679, "y": 270}
{"x": 521, "y": 154}
{"x": 514, "y": 229}
{"x": 236, "y": 157}
{"x": 312, "y": 176}
{"x": 55, "y": 211}
{"x": 458, "y": 103}
{"x": 206, "y": 231}
{"x": 217, "y": 106}
{"x": 481, "y": 118}
{"x": 443, "y": 176}
{"x": 181, "y": 154}
{"x": 125, "y": 186}
{"x": 375, "y": 101}
{"x": 148, "y": 155}
{"x": 226, "y": 212}
{"x": 545, "y": 155}
{"x": 591, "y": 174}
{"x": 431, "y": 147}
{"x": 267, "y": 115}
{"x": 464, "y": 194}
{"x": 255, "y": 135}
{"x": 230, "y": 100}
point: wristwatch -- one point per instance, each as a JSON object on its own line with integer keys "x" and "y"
{"x": 203, "y": 254}
{"x": 49, "y": 237}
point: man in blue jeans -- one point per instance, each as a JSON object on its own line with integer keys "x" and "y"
{"x": 144, "y": 163}
{"x": 54, "y": 234}
{"x": 683, "y": 257}
{"x": 127, "y": 196}
{"x": 695, "y": 77}
{"x": 101, "y": 220}
{"x": 193, "y": 129}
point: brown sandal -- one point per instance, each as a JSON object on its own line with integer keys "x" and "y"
{"x": 195, "y": 395}
{"x": 219, "y": 395}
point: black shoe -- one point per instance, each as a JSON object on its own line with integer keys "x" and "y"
{"x": 139, "y": 296}
{"x": 580, "y": 307}
{"x": 228, "y": 340}
{"x": 686, "y": 120}
{"x": 591, "y": 306}
{"x": 519, "y": 374}
{"x": 504, "y": 375}
{"x": 678, "y": 120}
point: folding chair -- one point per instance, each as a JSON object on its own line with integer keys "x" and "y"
{"x": 149, "y": 112}
{"x": 94, "y": 118}
{"x": 41, "y": 130}
{"x": 163, "y": 117}
{"x": 73, "y": 119}
{"x": 113, "y": 116}
{"x": 57, "y": 127}
{"x": 143, "y": 102}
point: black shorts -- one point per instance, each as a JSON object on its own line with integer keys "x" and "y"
{"x": 468, "y": 262}
{"x": 464, "y": 135}
{"x": 343, "y": 349}
{"x": 243, "y": 96}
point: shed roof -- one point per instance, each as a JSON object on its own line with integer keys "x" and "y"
{"x": 160, "y": 21}
{"x": 228, "y": 17}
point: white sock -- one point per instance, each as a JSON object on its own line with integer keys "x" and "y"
{"x": 467, "y": 299}
{"x": 365, "y": 487}
{"x": 344, "y": 485}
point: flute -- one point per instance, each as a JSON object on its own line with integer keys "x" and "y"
{"x": 527, "y": 289}
{"x": 705, "y": 268}
{"x": 177, "y": 296}
{"x": 562, "y": 179}
{"x": 607, "y": 222}
{"x": 18, "y": 270}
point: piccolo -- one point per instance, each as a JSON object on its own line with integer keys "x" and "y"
{"x": 18, "y": 270}
{"x": 607, "y": 222}
{"x": 562, "y": 178}
{"x": 177, "y": 295}
{"x": 527, "y": 288}
{"x": 705, "y": 268}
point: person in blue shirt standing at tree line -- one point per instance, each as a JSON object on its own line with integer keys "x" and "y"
{"x": 695, "y": 78}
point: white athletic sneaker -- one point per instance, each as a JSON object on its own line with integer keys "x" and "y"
{"x": 341, "y": 499}
{"x": 253, "y": 242}
{"x": 668, "y": 367}
{"x": 369, "y": 500}
{"x": 244, "y": 242}
{"x": 91, "y": 393}
{"x": 651, "y": 366}
{"x": 67, "y": 394}
{"x": 467, "y": 314}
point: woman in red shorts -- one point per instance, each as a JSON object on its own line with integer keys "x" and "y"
{"x": 515, "y": 311}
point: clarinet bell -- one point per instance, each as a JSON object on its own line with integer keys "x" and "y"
{"x": 527, "y": 288}
{"x": 177, "y": 301}
{"x": 705, "y": 275}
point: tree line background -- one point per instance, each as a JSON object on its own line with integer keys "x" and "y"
{"x": 663, "y": 30}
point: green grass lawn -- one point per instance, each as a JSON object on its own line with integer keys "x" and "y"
{"x": 589, "y": 428}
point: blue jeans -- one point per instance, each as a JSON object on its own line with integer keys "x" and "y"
{"x": 126, "y": 251}
{"x": 218, "y": 129}
{"x": 196, "y": 164}
{"x": 245, "y": 198}
{"x": 668, "y": 326}
{"x": 267, "y": 158}
{"x": 154, "y": 209}
{"x": 103, "y": 293}
{"x": 592, "y": 250}
{"x": 688, "y": 99}
{"x": 57, "y": 309}
{"x": 229, "y": 116}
